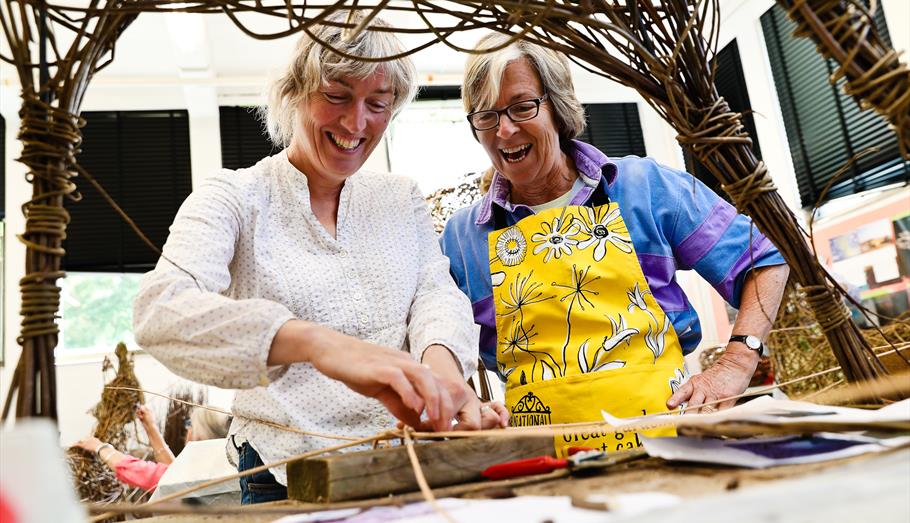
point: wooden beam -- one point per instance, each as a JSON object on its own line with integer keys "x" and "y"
{"x": 372, "y": 473}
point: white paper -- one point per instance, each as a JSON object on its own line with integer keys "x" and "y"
{"x": 767, "y": 410}
{"x": 731, "y": 452}
{"x": 199, "y": 461}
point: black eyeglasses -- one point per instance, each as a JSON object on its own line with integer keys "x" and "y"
{"x": 517, "y": 112}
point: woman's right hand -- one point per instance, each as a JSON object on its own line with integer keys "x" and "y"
{"x": 406, "y": 387}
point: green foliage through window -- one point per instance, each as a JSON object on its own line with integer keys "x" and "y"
{"x": 97, "y": 310}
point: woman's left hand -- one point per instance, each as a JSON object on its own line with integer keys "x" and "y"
{"x": 89, "y": 443}
{"x": 466, "y": 409}
{"x": 728, "y": 377}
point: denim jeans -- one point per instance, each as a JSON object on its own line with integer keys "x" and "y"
{"x": 261, "y": 486}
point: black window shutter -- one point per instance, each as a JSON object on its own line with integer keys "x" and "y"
{"x": 438, "y": 92}
{"x": 142, "y": 158}
{"x": 244, "y": 140}
{"x": 731, "y": 85}
{"x": 614, "y": 129}
{"x": 825, "y": 127}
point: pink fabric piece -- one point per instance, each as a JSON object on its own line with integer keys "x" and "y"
{"x": 139, "y": 473}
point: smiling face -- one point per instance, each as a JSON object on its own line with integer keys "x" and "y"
{"x": 339, "y": 125}
{"x": 526, "y": 153}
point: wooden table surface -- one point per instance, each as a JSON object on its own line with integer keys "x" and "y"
{"x": 870, "y": 488}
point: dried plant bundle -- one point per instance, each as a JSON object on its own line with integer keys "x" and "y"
{"x": 95, "y": 481}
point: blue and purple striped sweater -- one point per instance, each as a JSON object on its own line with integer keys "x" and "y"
{"x": 675, "y": 223}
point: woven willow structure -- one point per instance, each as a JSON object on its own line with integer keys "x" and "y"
{"x": 661, "y": 49}
{"x": 95, "y": 481}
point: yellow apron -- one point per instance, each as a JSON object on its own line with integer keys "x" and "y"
{"x": 577, "y": 326}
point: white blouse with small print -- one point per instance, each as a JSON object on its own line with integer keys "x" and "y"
{"x": 260, "y": 258}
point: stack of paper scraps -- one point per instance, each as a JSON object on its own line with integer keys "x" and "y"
{"x": 771, "y": 432}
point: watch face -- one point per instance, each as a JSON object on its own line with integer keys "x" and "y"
{"x": 753, "y": 342}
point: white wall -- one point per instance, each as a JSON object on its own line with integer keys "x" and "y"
{"x": 193, "y": 83}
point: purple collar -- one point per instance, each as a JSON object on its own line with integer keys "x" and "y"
{"x": 590, "y": 162}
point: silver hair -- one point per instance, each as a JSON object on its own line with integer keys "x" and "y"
{"x": 209, "y": 424}
{"x": 483, "y": 75}
{"x": 313, "y": 64}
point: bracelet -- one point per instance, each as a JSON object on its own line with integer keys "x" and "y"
{"x": 162, "y": 449}
{"x": 101, "y": 447}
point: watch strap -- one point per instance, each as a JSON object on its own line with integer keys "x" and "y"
{"x": 742, "y": 338}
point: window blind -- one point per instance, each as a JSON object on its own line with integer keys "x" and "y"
{"x": 614, "y": 128}
{"x": 244, "y": 140}
{"x": 142, "y": 158}
{"x": 825, "y": 127}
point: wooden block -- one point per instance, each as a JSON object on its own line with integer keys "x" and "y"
{"x": 372, "y": 473}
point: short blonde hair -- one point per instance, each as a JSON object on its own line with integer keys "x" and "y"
{"x": 209, "y": 424}
{"x": 313, "y": 64}
{"x": 483, "y": 75}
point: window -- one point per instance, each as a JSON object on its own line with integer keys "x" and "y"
{"x": 142, "y": 159}
{"x": 244, "y": 140}
{"x": 97, "y": 311}
{"x": 731, "y": 85}
{"x": 431, "y": 141}
{"x": 825, "y": 127}
{"x": 614, "y": 129}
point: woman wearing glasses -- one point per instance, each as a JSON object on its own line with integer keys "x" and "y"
{"x": 570, "y": 259}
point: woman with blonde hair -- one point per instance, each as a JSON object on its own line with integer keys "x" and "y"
{"x": 317, "y": 289}
{"x": 207, "y": 424}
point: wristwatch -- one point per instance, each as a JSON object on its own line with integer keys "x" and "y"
{"x": 752, "y": 342}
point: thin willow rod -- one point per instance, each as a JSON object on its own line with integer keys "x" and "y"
{"x": 535, "y": 430}
{"x": 886, "y": 385}
{"x": 421, "y": 479}
{"x": 214, "y": 7}
{"x": 10, "y": 30}
{"x": 229, "y": 413}
{"x": 81, "y": 34}
{"x": 450, "y": 491}
{"x": 88, "y": 67}
{"x": 398, "y": 30}
{"x": 110, "y": 200}
{"x": 292, "y": 30}
{"x": 612, "y": 70}
{"x": 355, "y": 32}
{"x": 514, "y": 38}
{"x": 811, "y": 395}
{"x": 255, "y": 470}
{"x": 642, "y": 423}
{"x": 883, "y": 387}
{"x": 544, "y": 430}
